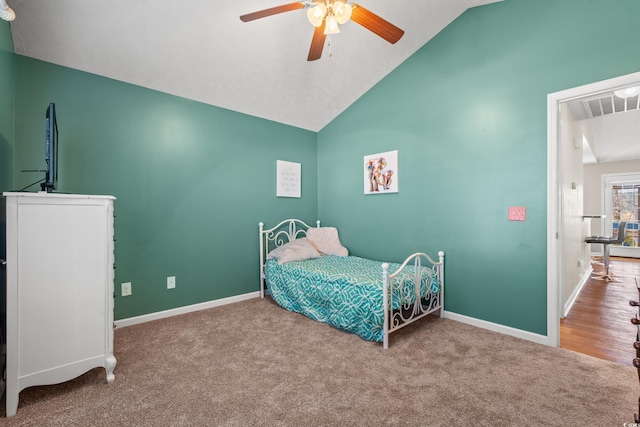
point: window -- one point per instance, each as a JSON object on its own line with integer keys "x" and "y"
{"x": 625, "y": 207}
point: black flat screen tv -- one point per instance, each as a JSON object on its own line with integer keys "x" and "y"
{"x": 51, "y": 150}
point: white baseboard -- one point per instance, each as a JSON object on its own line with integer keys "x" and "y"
{"x": 183, "y": 310}
{"x": 507, "y": 330}
{"x": 518, "y": 333}
{"x": 576, "y": 292}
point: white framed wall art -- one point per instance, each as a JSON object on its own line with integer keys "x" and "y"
{"x": 381, "y": 173}
{"x": 288, "y": 179}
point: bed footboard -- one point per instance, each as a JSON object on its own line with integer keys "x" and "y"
{"x": 413, "y": 291}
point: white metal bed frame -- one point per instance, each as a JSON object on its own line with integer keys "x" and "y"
{"x": 291, "y": 229}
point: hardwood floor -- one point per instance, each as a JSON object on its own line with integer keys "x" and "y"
{"x": 599, "y": 322}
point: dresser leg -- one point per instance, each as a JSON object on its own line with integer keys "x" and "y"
{"x": 12, "y": 402}
{"x": 110, "y": 366}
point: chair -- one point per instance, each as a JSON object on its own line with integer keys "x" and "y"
{"x": 607, "y": 241}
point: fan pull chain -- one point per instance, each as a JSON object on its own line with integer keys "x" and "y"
{"x": 329, "y": 47}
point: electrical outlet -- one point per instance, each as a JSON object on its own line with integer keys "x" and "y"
{"x": 171, "y": 282}
{"x": 126, "y": 289}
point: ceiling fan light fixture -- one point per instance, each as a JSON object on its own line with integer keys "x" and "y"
{"x": 327, "y": 16}
{"x": 316, "y": 14}
{"x": 331, "y": 25}
{"x": 341, "y": 11}
{"x": 627, "y": 92}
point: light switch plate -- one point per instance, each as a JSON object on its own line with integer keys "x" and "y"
{"x": 517, "y": 213}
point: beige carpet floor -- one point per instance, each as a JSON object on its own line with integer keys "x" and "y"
{"x": 255, "y": 364}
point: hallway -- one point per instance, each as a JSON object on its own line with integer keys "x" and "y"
{"x": 599, "y": 322}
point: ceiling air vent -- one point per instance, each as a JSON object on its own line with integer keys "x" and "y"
{"x": 609, "y": 104}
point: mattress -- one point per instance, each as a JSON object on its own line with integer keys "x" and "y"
{"x": 345, "y": 292}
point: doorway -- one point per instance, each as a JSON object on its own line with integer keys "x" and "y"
{"x": 557, "y": 235}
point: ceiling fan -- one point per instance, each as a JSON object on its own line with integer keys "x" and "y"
{"x": 327, "y": 15}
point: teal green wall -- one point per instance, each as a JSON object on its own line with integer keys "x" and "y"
{"x": 7, "y": 65}
{"x": 192, "y": 181}
{"x": 467, "y": 113}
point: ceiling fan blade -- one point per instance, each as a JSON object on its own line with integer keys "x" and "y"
{"x": 376, "y": 24}
{"x": 272, "y": 11}
{"x": 317, "y": 43}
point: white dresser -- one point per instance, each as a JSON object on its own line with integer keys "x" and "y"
{"x": 59, "y": 289}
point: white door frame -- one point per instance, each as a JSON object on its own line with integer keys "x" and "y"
{"x": 554, "y": 171}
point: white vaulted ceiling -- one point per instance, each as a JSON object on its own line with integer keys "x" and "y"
{"x": 201, "y": 50}
{"x": 612, "y": 125}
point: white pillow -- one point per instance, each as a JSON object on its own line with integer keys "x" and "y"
{"x": 296, "y": 250}
{"x": 326, "y": 240}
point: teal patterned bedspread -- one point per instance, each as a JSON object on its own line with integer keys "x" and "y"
{"x": 345, "y": 292}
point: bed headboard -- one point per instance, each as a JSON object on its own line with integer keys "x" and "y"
{"x": 284, "y": 232}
